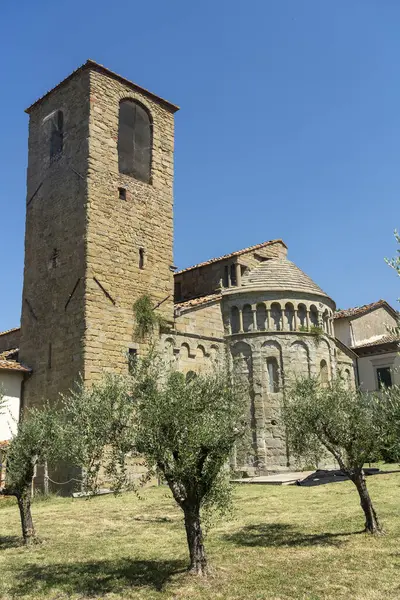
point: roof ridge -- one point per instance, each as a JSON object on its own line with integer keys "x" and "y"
{"x": 95, "y": 65}
{"x": 9, "y": 330}
{"x": 235, "y": 253}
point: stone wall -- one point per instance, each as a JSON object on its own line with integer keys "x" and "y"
{"x": 53, "y": 319}
{"x": 10, "y": 339}
{"x": 117, "y": 229}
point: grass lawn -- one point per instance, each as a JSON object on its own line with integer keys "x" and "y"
{"x": 284, "y": 542}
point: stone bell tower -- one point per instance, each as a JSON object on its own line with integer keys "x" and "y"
{"x": 99, "y": 226}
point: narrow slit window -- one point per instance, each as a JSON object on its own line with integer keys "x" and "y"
{"x": 122, "y": 193}
{"x": 141, "y": 258}
{"x": 132, "y": 358}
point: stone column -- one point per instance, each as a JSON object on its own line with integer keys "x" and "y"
{"x": 267, "y": 321}
{"x": 308, "y": 318}
{"x": 295, "y": 320}
{"x": 283, "y": 328}
{"x": 238, "y": 275}
{"x": 254, "y": 311}
{"x": 240, "y": 320}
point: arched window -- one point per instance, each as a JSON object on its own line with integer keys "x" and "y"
{"x": 261, "y": 313}
{"x": 233, "y": 274}
{"x": 289, "y": 315}
{"x": 134, "y": 140}
{"x": 235, "y": 323}
{"x": 314, "y": 316}
{"x": 56, "y": 134}
{"x": 273, "y": 375}
{"x": 324, "y": 373}
{"x": 247, "y": 318}
{"x": 276, "y": 316}
{"x": 190, "y": 375}
{"x": 302, "y": 315}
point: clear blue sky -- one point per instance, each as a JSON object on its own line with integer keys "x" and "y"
{"x": 289, "y": 124}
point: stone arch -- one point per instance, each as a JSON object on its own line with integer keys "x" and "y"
{"x": 235, "y": 320}
{"x": 314, "y": 318}
{"x": 247, "y": 318}
{"x": 214, "y": 352}
{"x": 325, "y": 321}
{"x": 185, "y": 350}
{"x": 272, "y": 366}
{"x": 324, "y": 372}
{"x": 169, "y": 346}
{"x": 276, "y": 316}
{"x": 299, "y": 359}
{"x": 289, "y": 316}
{"x": 201, "y": 351}
{"x": 302, "y": 315}
{"x": 261, "y": 316}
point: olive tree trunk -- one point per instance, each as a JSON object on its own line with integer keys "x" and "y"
{"x": 194, "y": 534}
{"x": 24, "y": 505}
{"x": 372, "y": 524}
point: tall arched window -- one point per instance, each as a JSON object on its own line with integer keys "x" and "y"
{"x": 247, "y": 318}
{"x": 235, "y": 322}
{"x": 134, "y": 140}
{"x": 273, "y": 375}
{"x": 324, "y": 373}
{"x": 56, "y": 134}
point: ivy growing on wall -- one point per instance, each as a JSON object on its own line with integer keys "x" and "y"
{"x": 146, "y": 317}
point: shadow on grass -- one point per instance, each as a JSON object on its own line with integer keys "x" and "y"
{"x": 284, "y": 535}
{"x": 10, "y": 541}
{"x": 96, "y": 578}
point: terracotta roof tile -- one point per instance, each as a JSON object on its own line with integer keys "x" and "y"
{"x": 385, "y": 339}
{"x": 10, "y": 330}
{"x": 236, "y": 253}
{"x": 9, "y": 354}
{"x": 198, "y": 301}
{"x": 13, "y": 365}
{"x": 360, "y": 310}
{"x": 91, "y": 64}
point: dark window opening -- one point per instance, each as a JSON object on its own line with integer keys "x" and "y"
{"x": 54, "y": 258}
{"x": 233, "y": 275}
{"x": 273, "y": 375}
{"x": 122, "y": 193}
{"x": 141, "y": 258}
{"x": 178, "y": 291}
{"x": 132, "y": 358}
{"x": 134, "y": 141}
{"x": 190, "y": 375}
{"x": 384, "y": 377}
{"x": 56, "y": 135}
{"x": 226, "y": 276}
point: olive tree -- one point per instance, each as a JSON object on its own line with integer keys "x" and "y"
{"x": 186, "y": 429}
{"x": 38, "y": 439}
{"x": 342, "y": 421}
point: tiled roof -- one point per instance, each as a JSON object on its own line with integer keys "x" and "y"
{"x": 198, "y": 301}
{"x": 91, "y": 64}
{"x": 10, "y": 330}
{"x": 9, "y": 354}
{"x": 385, "y": 339}
{"x": 279, "y": 274}
{"x": 13, "y": 365}
{"x": 360, "y": 310}
{"x": 237, "y": 253}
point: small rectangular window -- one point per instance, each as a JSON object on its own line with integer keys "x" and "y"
{"x": 384, "y": 377}
{"x": 122, "y": 193}
{"x": 226, "y": 276}
{"x": 132, "y": 358}
{"x": 178, "y": 291}
{"x": 233, "y": 274}
{"x": 141, "y": 258}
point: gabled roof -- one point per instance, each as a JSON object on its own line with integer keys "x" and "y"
{"x": 13, "y": 365}
{"x": 91, "y": 64}
{"x": 10, "y": 330}
{"x": 195, "y": 302}
{"x": 384, "y": 339}
{"x": 362, "y": 310}
{"x": 232, "y": 254}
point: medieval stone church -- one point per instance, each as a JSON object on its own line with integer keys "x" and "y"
{"x": 99, "y": 234}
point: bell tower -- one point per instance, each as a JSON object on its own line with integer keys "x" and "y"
{"x": 99, "y": 226}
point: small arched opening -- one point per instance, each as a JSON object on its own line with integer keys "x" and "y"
{"x": 276, "y": 316}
